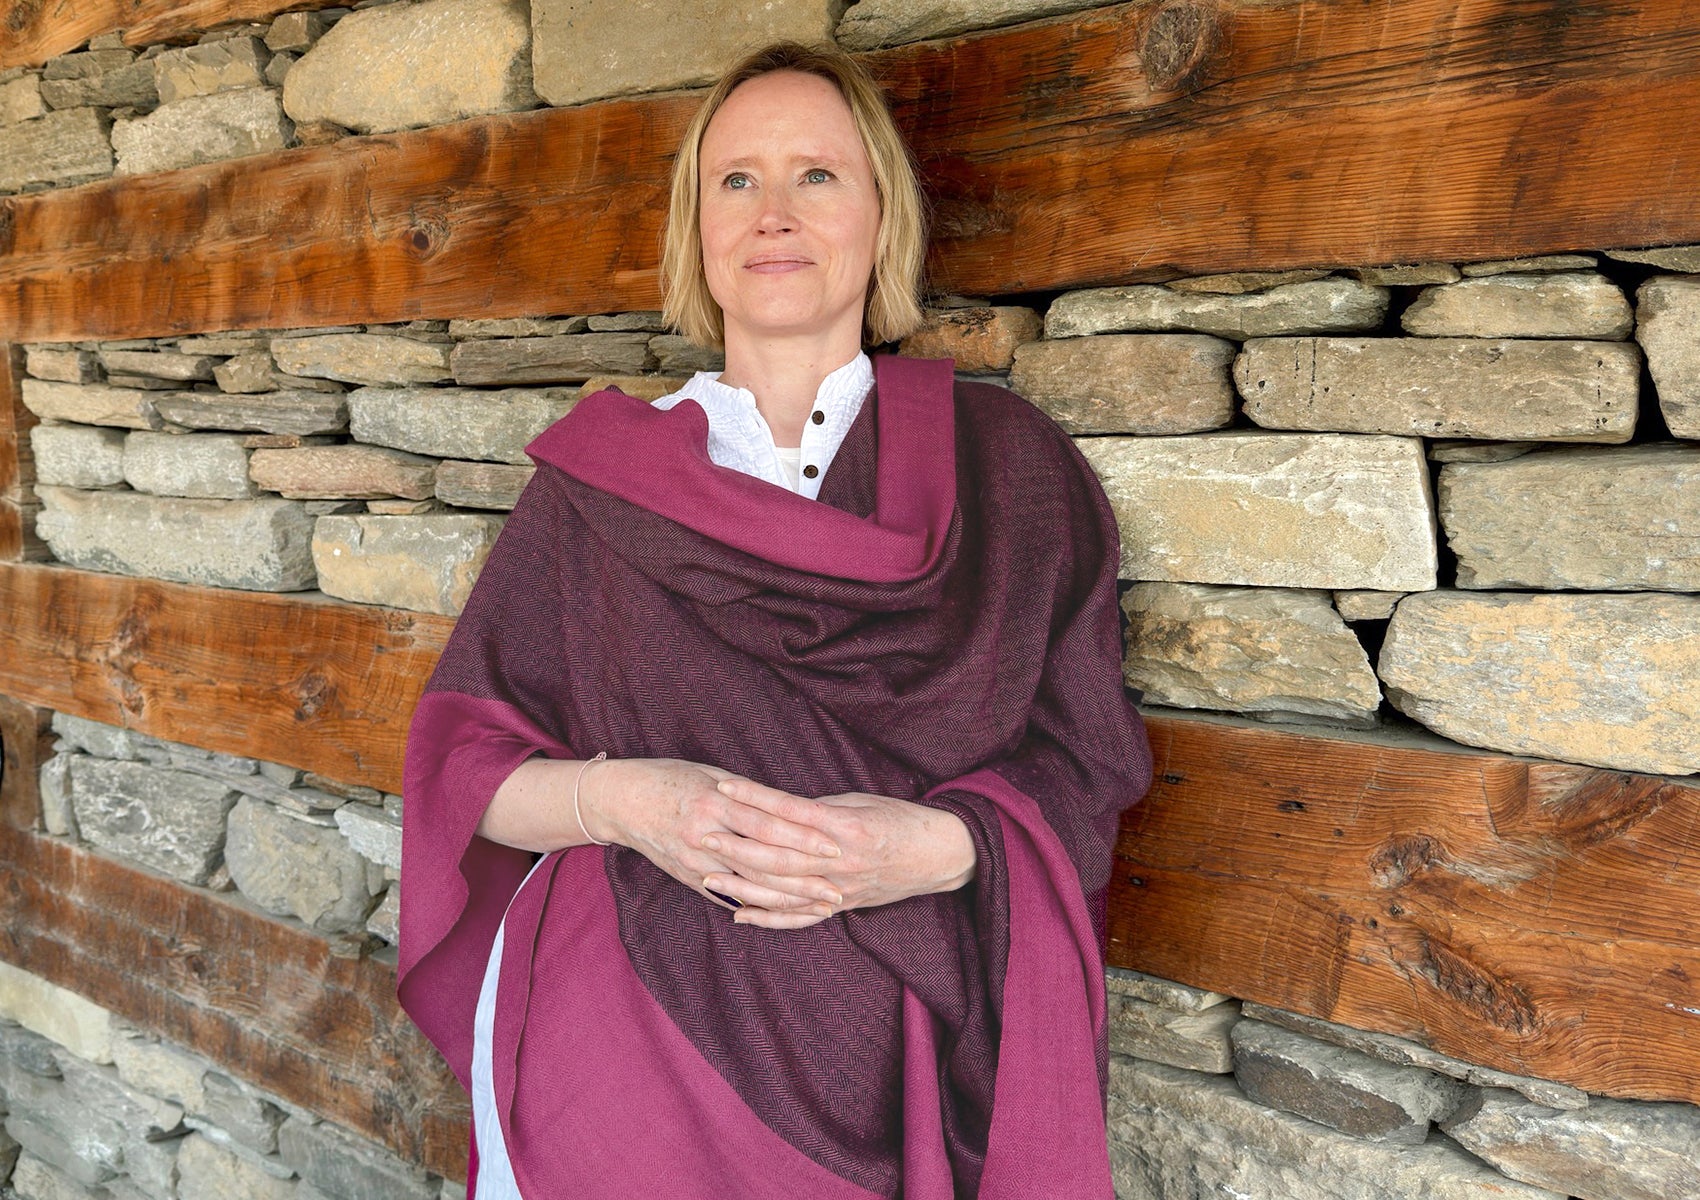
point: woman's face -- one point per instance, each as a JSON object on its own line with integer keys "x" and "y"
{"x": 790, "y": 212}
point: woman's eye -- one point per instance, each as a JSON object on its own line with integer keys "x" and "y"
{"x": 818, "y": 175}
{"x": 737, "y": 181}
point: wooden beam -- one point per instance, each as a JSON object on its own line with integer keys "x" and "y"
{"x": 264, "y": 1000}
{"x": 1535, "y": 917}
{"x": 17, "y": 466}
{"x": 26, "y": 741}
{"x": 1125, "y": 143}
{"x": 37, "y": 30}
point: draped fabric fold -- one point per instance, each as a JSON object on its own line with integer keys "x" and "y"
{"x": 940, "y": 626}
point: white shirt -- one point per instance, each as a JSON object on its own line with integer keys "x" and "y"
{"x": 739, "y": 437}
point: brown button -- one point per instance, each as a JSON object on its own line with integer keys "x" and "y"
{"x": 818, "y": 417}
{"x": 810, "y": 471}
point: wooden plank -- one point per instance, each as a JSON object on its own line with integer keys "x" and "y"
{"x": 1474, "y": 903}
{"x": 18, "y": 541}
{"x": 26, "y": 741}
{"x": 1125, "y": 143}
{"x": 265, "y": 1001}
{"x": 37, "y": 30}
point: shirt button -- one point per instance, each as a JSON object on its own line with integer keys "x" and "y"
{"x": 810, "y": 471}
{"x": 818, "y": 417}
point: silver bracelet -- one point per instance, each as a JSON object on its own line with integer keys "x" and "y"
{"x": 578, "y": 779}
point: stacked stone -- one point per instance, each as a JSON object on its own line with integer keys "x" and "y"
{"x": 96, "y": 1109}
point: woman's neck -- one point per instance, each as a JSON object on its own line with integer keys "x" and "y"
{"x": 785, "y": 378}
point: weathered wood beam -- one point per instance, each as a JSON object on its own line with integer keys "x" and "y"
{"x": 35, "y": 30}
{"x": 1534, "y": 917}
{"x": 265, "y": 1001}
{"x": 17, "y": 465}
{"x": 1125, "y": 143}
{"x": 26, "y": 741}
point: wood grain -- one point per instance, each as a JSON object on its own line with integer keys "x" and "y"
{"x": 1534, "y": 917}
{"x": 18, "y": 508}
{"x": 265, "y": 1001}
{"x": 26, "y": 741}
{"x": 33, "y": 31}
{"x": 1132, "y": 142}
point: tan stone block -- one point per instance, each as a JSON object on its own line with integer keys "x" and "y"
{"x": 65, "y": 366}
{"x": 365, "y": 358}
{"x": 1143, "y": 383}
{"x": 201, "y": 129}
{"x": 1602, "y": 680}
{"x": 296, "y": 31}
{"x": 289, "y": 413}
{"x": 569, "y": 358}
{"x": 160, "y": 1069}
{"x": 1365, "y": 605}
{"x": 1682, "y": 259}
{"x": 20, "y": 99}
{"x": 1667, "y": 310}
{"x": 1241, "y": 283}
{"x": 247, "y": 373}
{"x": 80, "y": 456}
{"x": 1524, "y": 266}
{"x": 1321, "y": 306}
{"x": 481, "y": 484}
{"x": 212, "y": 67}
{"x": 872, "y": 23}
{"x": 1194, "y": 1041}
{"x": 206, "y": 465}
{"x": 1557, "y": 305}
{"x": 981, "y": 340}
{"x": 81, "y": 1026}
{"x": 491, "y": 426}
{"x": 587, "y": 49}
{"x": 1622, "y": 520}
{"x": 1276, "y": 510}
{"x": 1406, "y": 276}
{"x": 66, "y": 147}
{"x": 344, "y": 473}
{"x": 403, "y": 508}
{"x": 426, "y": 563}
{"x": 1118, "y": 981}
{"x": 158, "y": 364}
{"x": 211, "y": 1172}
{"x": 91, "y": 404}
{"x": 1558, "y": 391}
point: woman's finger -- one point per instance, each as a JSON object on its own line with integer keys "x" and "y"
{"x": 751, "y": 894}
{"x": 746, "y": 854}
{"x": 776, "y": 920}
{"x": 776, "y": 817}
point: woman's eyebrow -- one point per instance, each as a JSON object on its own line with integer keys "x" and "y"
{"x": 745, "y": 162}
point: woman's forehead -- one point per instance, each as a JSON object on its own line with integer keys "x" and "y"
{"x": 784, "y": 101}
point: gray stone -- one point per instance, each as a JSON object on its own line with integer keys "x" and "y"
{"x": 58, "y": 149}
{"x": 1683, "y": 259}
{"x": 53, "y": 783}
{"x": 1242, "y": 283}
{"x": 385, "y": 921}
{"x": 426, "y": 563}
{"x": 403, "y": 508}
{"x": 1321, "y": 306}
{"x": 1166, "y": 992}
{"x": 981, "y": 340}
{"x": 1615, "y": 1150}
{"x": 482, "y": 485}
{"x": 55, "y": 1013}
{"x": 516, "y": 327}
{"x": 210, "y": 1172}
{"x": 570, "y": 358}
{"x": 169, "y": 821}
{"x": 27, "y": 1051}
{"x": 872, "y": 23}
{"x": 1339, "y": 1088}
{"x": 676, "y": 355}
{"x": 1443, "y": 387}
{"x": 98, "y": 738}
{"x": 206, "y": 465}
{"x": 88, "y": 64}
{"x": 1476, "y": 452}
{"x": 222, "y": 345}
{"x": 69, "y": 1150}
{"x": 20, "y": 99}
{"x": 246, "y": 374}
{"x": 277, "y": 71}
{"x": 1176, "y": 1134}
{"x": 160, "y": 1069}
{"x": 648, "y": 321}
{"x": 457, "y": 422}
{"x": 236, "y": 1109}
{"x": 201, "y": 129}
{"x": 65, "y": 365}
{"x": 372, "y": 834}
{"x": 348, "y": 1167}
{"x": 1151, "y": 383}
{"x": 367, "y": 358}
{"x": 123, "y": 84}
{"x": 80, "y": 456}
{"x": 297, "y": 31}
{"x": 1276, "y": 510}
{"x": 111, "y": 1124}
{"x": 235, "y": 62}
{"x": 405, "y": 65}
{"x": 1366, "y": 605}
{"x": 1667, "y": 312}
{"x": 293, "y": 868}
{"x": 290, "y": 412}
{"x": 337, "y": 472}
{"x": 1195, "y": 1041}
{"x": 159, "y": 364}
{"x": 1620, "y": 520}
{"x": 1561, "y": 305}
{"x": 1525, "y": 266}
{"x": 587, "y": 49}
{"x": 259, "y": 545}
{"x": 1601, "y": 680}
{"x": 35, "y": 1179}
{"x": 1407, "y": 276}
{"x": 1405, "y": 1053}
{"x": 1270, "y": 651}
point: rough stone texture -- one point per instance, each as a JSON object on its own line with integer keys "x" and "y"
{"x": 206, "y": 465}
{"x": 60, "y": 148}
{"x": 1270, "y": 651}
{"x": 569, "y": 358}
{"x": 872, "y": 23}
{"x": 586, "y": 49}
{"x": 99, "y": 739}
{"x": 1621, "y": 520}
{"x": 211, "y": 67}
{"x": 482, "y": 485}
{"x": 27, "y": 1051}
{"x": 1166, "y": 992}
{"x": 385, "y": 921}
{"x": 290, "y": 412}
{"x": 348, "y": 1167}
{"x": 1443, "y": 387}
{"x": 247, "y": 1118}
{"x": 293, "y": 867}
{"x": 648, "y": 320}
{"x": 427, "y": 563}
{"x": 296, "y": 31}
{"x": 1322, "y": 306}
{"x": 1667, "y": 311}
{"x": 57, "y": 1014}
{"x": 372, "y": 834}
{"x": 1176, "y": 1134}
{"x": 168, "y": 821}
{"x": 1611, "y": 1151}
{"x": 1524, "y": 266}
{"x": 1561, "y": 305}
{"x": 677, "y": 355}
{"x": 1366, "y": 606}
{"x": 247, "y": 373}
{"x": 259, "y": 545}
{"x": 277, "y": 71}
{"x": 160, "y": 1069}
{"x": 210, "y": 1172}
{"x": 1474, "y": 452}
{"x": 1241, "y": 283}
{"x": 335, "y": 472}
{"x": 1406, "y": 276}
{"x": 1194, "y": 1041}
{"x": 367, "y": 358}
{"x": 199, "y": 129}
{"x": 20, "y": 99}
{"x": 1277, "y": 510}
{"x": 126, "y": 81}
{"x": 109, "y": 1125}
{"x": 516, "y": 327}
{"x": 981, "y": 340}
{"x": 67, "y": 366}
{"x": 34, "y": 1179}
{"x": 53, "y": 783}
{"x": 1151, "y": 383}
{"x": 1602, "y": 680}
{"x": 235, "y": 341}
{"x": 1685, "y": 259}
{"x": 159, "y": 364}
{"x": 643, "y": 387}
{"x": 456, "y": 422}
{"x": 405, "y": 65}
{"x": 79, "y": 456}
{"x": 1339, "y": 1088}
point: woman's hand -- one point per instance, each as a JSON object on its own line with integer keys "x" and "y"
{"x": 889, "y": 850}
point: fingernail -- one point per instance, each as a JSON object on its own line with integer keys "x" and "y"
{"x": 828, "y": 850}
{"x": 725, "y": 786}
{"x": 710, "y": 842}
{"x": 731, "y": 901}
{"x": 833, "y": 898}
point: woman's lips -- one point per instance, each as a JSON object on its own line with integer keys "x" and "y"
{"x": 776, "y": 266}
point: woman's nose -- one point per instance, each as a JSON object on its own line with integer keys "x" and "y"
{"x": 778, "y": 215}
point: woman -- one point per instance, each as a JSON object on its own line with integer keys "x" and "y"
{"x": 826, "y": 919}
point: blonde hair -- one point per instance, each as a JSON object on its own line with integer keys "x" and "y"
{"x": 893, "y": 308}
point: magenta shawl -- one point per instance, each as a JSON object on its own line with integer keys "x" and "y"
{"x": 940, "y": 626}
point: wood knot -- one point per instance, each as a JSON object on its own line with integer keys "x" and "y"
{"x": 426, "y": 234}
{"x": 312, "y": 692}
{"x": 1478, "y": 989}
{"x": 1400, "y": 857}
{"x": 1180, "y": 40}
